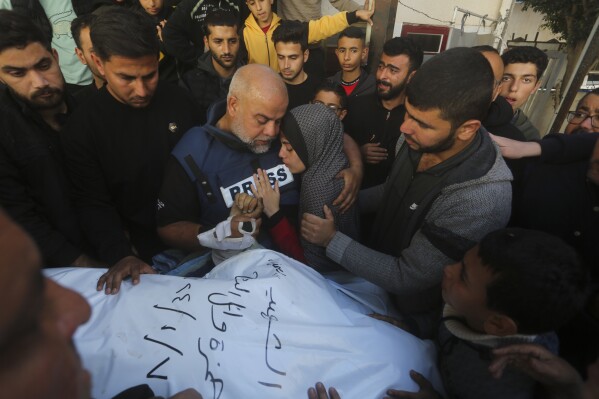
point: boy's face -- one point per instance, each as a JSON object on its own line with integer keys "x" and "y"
{"x": 350, "y": 53}
{"x": 464, "y": 287}
{"x": 261, "y": 10}
{"x": 519, "y": 82}
{"x": 331, "y": 100}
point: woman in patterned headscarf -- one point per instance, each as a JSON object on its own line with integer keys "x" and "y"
{"x": 311, "y": 144}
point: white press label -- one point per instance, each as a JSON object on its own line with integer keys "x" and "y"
{"x": 280, "y": 173}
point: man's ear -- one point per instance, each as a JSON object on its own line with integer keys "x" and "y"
{"x": 500, "y": 325}
{"x": 79, "y": 54}
{"x": 206, "y": 42}
{"x": 468, "y": 129}
{"x": 410, "y": 75}
{"x": 55, "y": 54}
{"x": 232, "y": 105}
{"x": 343, "y": 114}
{"x": 98, "y": 63}
{"x": 306, "y": 55}
{"x": 537, "y": 86}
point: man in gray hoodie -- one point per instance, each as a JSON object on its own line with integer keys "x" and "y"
{"x": 447, "y": 188}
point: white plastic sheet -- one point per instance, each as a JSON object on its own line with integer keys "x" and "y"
{"x": 259, "y": 325}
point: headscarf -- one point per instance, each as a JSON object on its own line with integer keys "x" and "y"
{"x": 316, "y": 134}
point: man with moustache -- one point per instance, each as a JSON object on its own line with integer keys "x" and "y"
{"x": 586, "y": 117}
{"x": 214, "y": 162}
{"x": 116, "y": 145}
{"x": 209, "y": 81}
{"x": 448, "y": 187}
{"x": 373, "y": 120}
{"x": 34, "y": 189}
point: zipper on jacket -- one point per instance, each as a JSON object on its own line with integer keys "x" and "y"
{"x": 267, "y": 49}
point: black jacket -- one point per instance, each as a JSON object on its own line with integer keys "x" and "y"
{"x": 34, "y": 189}
{"x": 368, "y": 121}
{"x": 366, "y": 85}
{"x": 499, "y": 120}
{"x": 205, "y": 85}
{"x": 183, "y": 34}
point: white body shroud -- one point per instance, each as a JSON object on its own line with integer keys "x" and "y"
{"x": 259, "y": 325}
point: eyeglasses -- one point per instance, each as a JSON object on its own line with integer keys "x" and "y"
{"x": 334, "y": 107}
{"x": 576, "y": 118}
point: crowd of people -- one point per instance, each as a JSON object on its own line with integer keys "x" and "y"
{"x": 150, "y": 130}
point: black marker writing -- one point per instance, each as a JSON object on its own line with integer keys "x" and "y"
{"x": 163, "y": 344}
{"x": 161, "y": 377}
{"x": 217, "y": 383}
{"x": 174, "y": 310}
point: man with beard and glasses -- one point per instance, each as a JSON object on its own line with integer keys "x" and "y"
{"x": 214, "y": 162}
{"x": 116, "y": 145}
{"x": 373, "y": 120}
{"x": 586, "y": 117}
{"x": 34, "y": 189}
{"x": 448, "y": 187}
{"x": 209, "y": 81}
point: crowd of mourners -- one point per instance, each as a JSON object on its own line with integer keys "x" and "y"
{"x": 159, "y": 136}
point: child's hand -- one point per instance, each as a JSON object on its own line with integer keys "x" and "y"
{"x": 270, "y": 196}
{"x": 426, "y": 389}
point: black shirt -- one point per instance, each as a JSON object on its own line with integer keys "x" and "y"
{"x": 368, "y": 121}
{"x": 34, "y": 189}
{"x": 302, "y": 93}
{"x": 116, "y": 156}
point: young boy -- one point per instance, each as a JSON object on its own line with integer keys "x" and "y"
{"x": 332, "y": 95}
{"x": 516, "y": 286}
{"x": 522, "y": 73}
{"x": 352, "y": 52}
{"x": 262, "y": 22}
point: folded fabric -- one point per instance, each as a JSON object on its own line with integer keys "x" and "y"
{"x": 219, "y": 237}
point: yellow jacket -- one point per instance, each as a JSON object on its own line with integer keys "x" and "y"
{"x": 261, "y": 49}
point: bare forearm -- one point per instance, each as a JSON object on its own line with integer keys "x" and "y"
{"x": 352, "y": 151}
{"x": 182, "y": 235}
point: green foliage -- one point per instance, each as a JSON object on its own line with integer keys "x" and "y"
{"x": 571, "y": 19}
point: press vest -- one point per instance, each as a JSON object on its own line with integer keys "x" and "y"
{"x": 219, "y": 172}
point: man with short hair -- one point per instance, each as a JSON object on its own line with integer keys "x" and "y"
{"x": 291, "y": 43}
{"x": 260, "y": 25}
{"x": 499, "y": 117}
{"x": 39, "y": 319}
{"x": 214, "y": 162}
{"x": 34, "y": 106}
{"x": 351, "y": 52}
{"x": 586, "y": 117}
{"x": 80, "y": 31}
{"x": 448, "y": 187}
{"x": 209, "y": 81}
{"x": 373, "y": 120}
{"x": 118, "y": 142}
{"x": 523, "y": 69}
{"x": 182, "y": 35}
{"x": 53, "y": 17}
